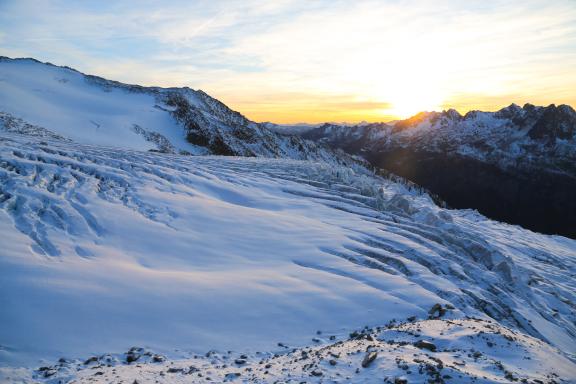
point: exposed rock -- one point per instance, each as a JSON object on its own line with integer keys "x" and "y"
{"x": 425, "y": 345}
{"x": 92, "y": 359}
{"x": 369, "y": 358}
{"x": 437, "y": 311}
{"x": 132, "y": 357}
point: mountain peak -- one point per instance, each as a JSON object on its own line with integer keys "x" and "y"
{"x": 555, "y": 122}
{"x": 452, "y": 114}
{"x": 508, "y": 112}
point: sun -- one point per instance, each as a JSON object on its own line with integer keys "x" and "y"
{"x": 410, "y": 90}
{"x": 408, "y": 102}
{"x": 406, "y": 109}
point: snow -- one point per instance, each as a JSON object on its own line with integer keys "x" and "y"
{"x": 63, "y": 101}
{"x": 60, "y": 102}
{"x": 104, "y": 249}
{"x": 441, "y": 350}
{"x": 500, "y": 138}
{"x": 106, "y": 246}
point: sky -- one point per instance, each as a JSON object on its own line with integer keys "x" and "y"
{"x": 290, "y": 61}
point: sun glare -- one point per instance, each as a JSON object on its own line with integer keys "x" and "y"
{"x": 404, "y": 108}
{"x": 408, "y": 101}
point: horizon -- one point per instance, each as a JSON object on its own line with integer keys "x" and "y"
{"x": 225, "y": 191}
{"x": 303, "y": 123}
{"x": 284, "y": 62}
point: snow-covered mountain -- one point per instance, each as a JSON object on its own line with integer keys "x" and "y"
{"x": 516, "y": 164}
{"x": 61, "y": 101}
{"x": 289, "y": 263}
{"x": 104, "y": 249}
{"x": 513, "y": 137}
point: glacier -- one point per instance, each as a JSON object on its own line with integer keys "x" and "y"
{"x": 118, "y": 263}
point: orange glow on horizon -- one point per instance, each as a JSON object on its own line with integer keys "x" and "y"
{"x": 314, "y": 114}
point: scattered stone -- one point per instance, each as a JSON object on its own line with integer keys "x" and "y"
{"x": 132, "y": 357}
{"x": 47, "y": 371}
{"x": 158, "y": 359}
{"x": 93, "y": 359}
{"x": 316, "y": 372}
{"x": 369, "y": 358}
{"x": 425, "y": 345}
{"x": 437, "y": 308}
{"x": 233, "y": 375}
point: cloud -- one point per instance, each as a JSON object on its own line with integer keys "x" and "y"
{"x": 264, "y": 58}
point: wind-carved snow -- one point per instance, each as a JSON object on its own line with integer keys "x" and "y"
{"x": 106, "y": 248}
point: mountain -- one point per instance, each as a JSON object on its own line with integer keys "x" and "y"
{"x": 290, "y": 129}
{"x": 111, "y": 257}
{"x": 132, "y": 251}
{"x": 516, "y": 165}
{"x": 61, "y": 101}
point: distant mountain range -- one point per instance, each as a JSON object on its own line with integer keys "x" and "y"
{"x": 516, "y": 165}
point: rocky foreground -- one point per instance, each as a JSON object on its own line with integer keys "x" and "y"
{"x": 435, "y": 350}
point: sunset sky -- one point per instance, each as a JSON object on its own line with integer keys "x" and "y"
{"x": 313, "y": 61}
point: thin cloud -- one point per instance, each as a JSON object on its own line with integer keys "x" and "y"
{"x": 384, "y": 57}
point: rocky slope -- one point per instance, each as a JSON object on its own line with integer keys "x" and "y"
{"x": 438, "y": 351}
{"x": 516, "y": 165}
{"x": 62, "y": 102}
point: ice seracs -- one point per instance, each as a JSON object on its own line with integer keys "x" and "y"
{"x": 292, "y": 262}
{"x": 515, "y": 165}
{"x": 108, "y": 248}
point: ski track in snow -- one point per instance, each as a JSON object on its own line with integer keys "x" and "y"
{"x": 107, "y": 248}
